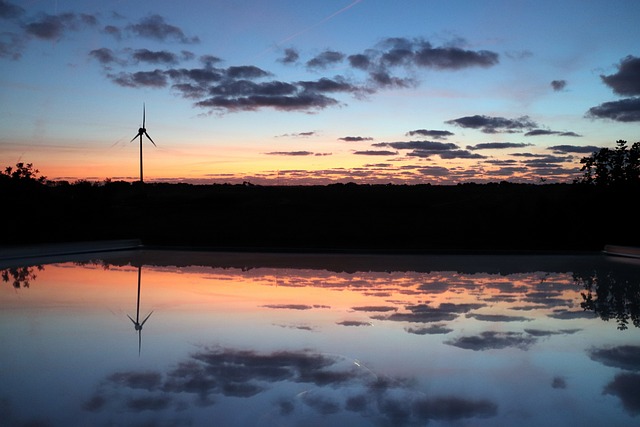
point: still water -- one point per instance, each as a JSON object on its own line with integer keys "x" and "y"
{"x": 159, "y": 338}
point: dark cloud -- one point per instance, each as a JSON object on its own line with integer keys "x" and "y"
{"x": 624, "y": 110}
{"x": 154, "y": 57}
{"x": 497, "y": 145}
{"x": 296, "y": 102}
{"x": 497, "y": 317}
{"x": 623, "y": 357}
{"x": 565, "y": 149}
{"x": 11, "y": 45}
{"x": 155, "y": 27}
{"x": 423, "y": 313}
{"x": 104, "y": 55}
{"x": 538, "y": 132}
{"x": 375, "y": 153}
{"x": 433, "y": 146}
{"x": 559, "y": 383}
{"x": 627, "y": 80}
{"x": 52, "y": 27}
{"x": 454, "y": 58}
{"x": 490, "y": 340}
{"x": 153, "y": 79}
{"x": 328, "y": 85}
{"x": 437, "y": 134}
{"x": 10, "y": 10}
{"x": 489, "y": 124}
{"x": 326, "y": 59}
{"x": 290, "y": 153}
{"x": 353, "y": 323}
{"x": 137, "y": 380}
{"x": 429, "y": 330}
{"x": 355, "y": 138}
{"x": 374, "y": 308}
{"x": 289, "y": 306}
{"x": 246, "y": 72}
{"x": 568, "y": 315}
{"x": 453, "y": 408}
{"x": 290, "y": 56}
{"x": 558, "y": 85}
{"x": 112, "y": 30}
{"x": 453, "y": 154}
{"x": 545, "y": 333}
{"x": 625, "y": 387}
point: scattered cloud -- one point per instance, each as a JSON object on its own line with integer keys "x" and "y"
{"x": 10, "y": 10}
{"x": 355, "y": 138}
{"x": 326, "y": 59}
{"x": 436, "y": 134}
{"x": 488, "y": 124}
{"x": 626, "y": 81}
{"x": 290, "y": 56}
{"x": 558, "y": 85}
{"x": 492, "y": 340}
{"x": 375, "y": 153}
{"x": 53, "y": 27}
{"x": 625, "y": 387}
{"x": 154, "y": 27}
{"x": 497, "y": 317}
{"x": 580, "y": 149}
{"x": 624, "y": 110}
{"x": 538, "y": 132}
{"x": 497, "y": 145}
{"x": 623, "y": 357}
{"x": 438, "y": 329}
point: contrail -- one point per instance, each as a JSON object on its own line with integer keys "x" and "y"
{"x": 322, "y": 21}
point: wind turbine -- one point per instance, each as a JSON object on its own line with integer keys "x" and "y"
{"x": 136, "y": 323}
{"x": 142, "y": 131}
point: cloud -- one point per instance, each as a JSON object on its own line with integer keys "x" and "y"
{"x": 565, "y": 149}
{"x": 113, "y": 31}
{"x": 437, "y": 329}
{"x": 538, "y": 132}
{"x": 491, "y": 340}
{"x": 355, "y": 138}
{"x": 353, "y": 323}
{"x": 497, "y": 318}
{"x": 423, "y": 313}
{"x": 627, "y": 80}
{"x": 374, "y": 308}
{"x": 154, "y": 79}
{"x": 375, "y": 153}
{"x": 290, "y": 153}
{"x": 434, "y": 146}
{"x": 154, "y": 57}
{"x": 105, "y": 56}
{"x": 53, "y": 27}
{"x": 154, "y": 27}
{"x": 326, "y": 59}
{"x": 558, "y": 85}
{"x": 290, "y": 56}
{"x": 624, "y": 110}
{"x": 489, "y": 124}
{"x": 436, "y": 134}
{"x": 288, "y": 306}
{"x": 497, "y": 145}
{"x": 10, "y": 10}
{"x": 623, "y": 357}
{"x": 625, "y": 387}
{"x": 454, "y": 408}
{"x": 11, "y": 45}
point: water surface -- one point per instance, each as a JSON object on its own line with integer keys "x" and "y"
{"x": 157, "y": 338}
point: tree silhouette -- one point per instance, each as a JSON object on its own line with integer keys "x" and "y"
{"x": 611, "y": 295}
{"x": 608, "y": 167}
{"x": 22, "y": 173}
{"x": 21, "y": 277}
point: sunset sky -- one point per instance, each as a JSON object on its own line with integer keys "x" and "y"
{"x": 317, "y": 92}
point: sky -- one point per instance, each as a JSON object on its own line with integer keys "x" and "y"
{"x": 317, "y": 92}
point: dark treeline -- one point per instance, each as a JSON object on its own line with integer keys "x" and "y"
{"x": 339, "y": 217}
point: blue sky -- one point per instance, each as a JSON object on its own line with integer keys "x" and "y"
{"x": 285, "y": 92}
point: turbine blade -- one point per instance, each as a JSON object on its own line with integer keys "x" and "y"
{"x": 147, "y": 135}
{"x": 133, "y": 139}
{"x": 145, "y": 319}
{"x": 143, "y": 114}
{"x": 134, "y": 322}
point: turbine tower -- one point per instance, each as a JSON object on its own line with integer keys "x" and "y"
{"x": 137, "y": 325}
{"x": 142, "y": 131}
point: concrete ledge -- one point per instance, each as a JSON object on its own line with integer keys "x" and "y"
{"x": 56, "y": 249}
